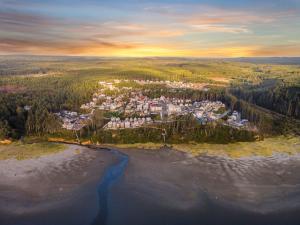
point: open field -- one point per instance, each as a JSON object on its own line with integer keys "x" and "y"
{"x": 25, "y": 151}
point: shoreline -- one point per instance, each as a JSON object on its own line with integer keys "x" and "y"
{"x": 266, "y": 148}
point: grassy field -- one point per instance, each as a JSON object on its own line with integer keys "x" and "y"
{"x": 268, "y": 147}
{"x": 26, "y": 151}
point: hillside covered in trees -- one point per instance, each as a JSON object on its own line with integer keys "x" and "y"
{"x": 32, "y": 89}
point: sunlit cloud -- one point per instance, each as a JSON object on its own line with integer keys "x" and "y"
{"x": 87, "y": 47}
{"x": 160, "y": 29}
{"x": 277, "y": 50}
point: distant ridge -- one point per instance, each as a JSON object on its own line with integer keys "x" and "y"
{"x": 268, "y": 60}
{"x": 256, "y": 60}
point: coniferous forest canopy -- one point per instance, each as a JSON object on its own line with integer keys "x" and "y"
{"x": 265, "y": 91}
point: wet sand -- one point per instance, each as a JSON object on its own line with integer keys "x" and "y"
{"x": 163, "y": 187}
{"x": 55, "y": 189}
{"x": 170, "y": 187}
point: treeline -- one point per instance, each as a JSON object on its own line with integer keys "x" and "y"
{"x": 44, "y": 96}
{"x": 281, "y": 99}
{"x": 24, "y": 72}
{"x": 267, "y": 122}
{"x": 183, "y": 131}
{"x": 12, "y": 116}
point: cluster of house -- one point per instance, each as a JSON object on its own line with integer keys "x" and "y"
{"x": 175, "y": 84}
{"x": 134, "y": 104}
{"x": 109, "y": 103}
{"x": 204, "y": 112}
{"x": 235, "y": 120}
{"x": 116, "y": 123}
{"x": 143, "y": 105}
{"x": 137, "y": 103}
{"x": 208, "y": 111}
{"x": 73, "y": 120}
{"x": 105, "y": 102}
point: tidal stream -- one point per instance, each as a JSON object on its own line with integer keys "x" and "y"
{"x": 112, "y": 174}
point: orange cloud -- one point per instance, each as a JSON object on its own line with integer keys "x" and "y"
{"x": 277, "y": 50}
{"x": 86, "y": 47}
{"x": 102, "y": 48}
{"x": 173, "y": 35}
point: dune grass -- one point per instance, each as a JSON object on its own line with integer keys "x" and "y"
{"x": 26, "y": 151}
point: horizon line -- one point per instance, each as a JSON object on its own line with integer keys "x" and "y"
{"x": 141, "y": 57}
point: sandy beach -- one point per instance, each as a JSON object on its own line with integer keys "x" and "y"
{"x": 50, "y": 189}
{"x": 171, "y": 187}
{"x": 155, "y": 187}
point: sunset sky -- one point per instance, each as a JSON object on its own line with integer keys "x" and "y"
{"x": 203, "y": 28}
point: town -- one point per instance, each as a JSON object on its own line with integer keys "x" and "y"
{"x": 139, "y": 110}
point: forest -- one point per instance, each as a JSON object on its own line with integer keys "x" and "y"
{"x": 277, "y": 97}
{"x": 266, "y": 94}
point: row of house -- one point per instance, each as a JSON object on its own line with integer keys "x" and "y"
{"x": 142, "y": 105}
{"x": 117, "y": 123}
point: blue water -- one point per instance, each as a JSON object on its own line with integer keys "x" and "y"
{"x": 111, "y": 176}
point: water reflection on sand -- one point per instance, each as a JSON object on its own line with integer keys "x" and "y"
{"x": 155, "y": 187}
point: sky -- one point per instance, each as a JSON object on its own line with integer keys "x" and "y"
{"x": 132, "y": 28}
